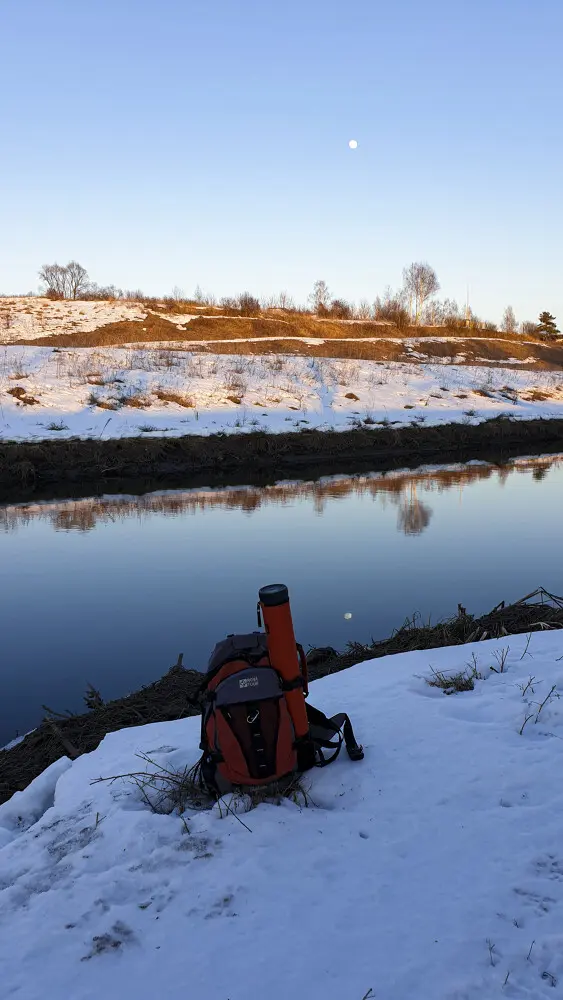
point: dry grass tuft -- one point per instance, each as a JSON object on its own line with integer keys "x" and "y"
{"x": 464, "y": 680}
{"x": 166, "y": 791}
{"x": 135, "y": 399}
{"x": 174, "y": 397}
{"x": 102, "y": 404}
{"x": 19, "y": 393}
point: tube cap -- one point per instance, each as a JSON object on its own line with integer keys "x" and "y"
{"x": 273, "y": 595}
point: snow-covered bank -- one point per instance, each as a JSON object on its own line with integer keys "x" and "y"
{"x": 34, "y": 317}
{"x": 433, "y": 869}
{"x": 47, "y": 393}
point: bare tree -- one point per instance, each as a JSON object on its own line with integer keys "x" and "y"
{"x": 340, "y": 309}
{"x": 77, "y": 280}
{"x": 364, "y": 310}
{"x": 285, "y": 301}
{"x": 509, "y": 324}
{"x": 320, "y": 296}
{"x": 421, "y": 282}
{"x": 248, "y": 304}
{"x": 392, "y": 308}
{"x": 53, "y": 277}
{"x": 61, "y": 282}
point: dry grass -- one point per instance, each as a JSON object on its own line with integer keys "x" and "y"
{"x": 19, "y": 393}
{"x": 135, "y": 399}
{"x": 339, "y": 338}
{"x": 537, "y": 396}
{"x": 464, "y": 680}
{"x": 213, "y": 327}
{"x": 166, "y": 791}
{"x": 181, "y": 399}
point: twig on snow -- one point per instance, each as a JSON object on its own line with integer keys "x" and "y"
{"x": 492, "y": 951}
{"x": 525, "y": 687}
{"x": 527, "y": 647}
{"x": 546, "y": 699}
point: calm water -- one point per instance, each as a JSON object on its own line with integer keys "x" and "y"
{"x": 110, "y": 590}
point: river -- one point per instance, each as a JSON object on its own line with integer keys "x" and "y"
{"x": 109, "y": 590}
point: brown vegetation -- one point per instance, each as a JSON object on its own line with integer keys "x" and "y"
{"x": 179, "y": 398}
{"x": 22, "y": 396}
{"x": 269, "y": 324}
{"x": 338, "y": 340}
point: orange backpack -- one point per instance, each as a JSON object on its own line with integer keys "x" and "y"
{"x": 249, "y": 735}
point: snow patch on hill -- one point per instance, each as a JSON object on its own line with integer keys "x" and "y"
{"x": 34, "y": 317}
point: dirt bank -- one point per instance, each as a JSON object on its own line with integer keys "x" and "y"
{"x": 29, "y": 467}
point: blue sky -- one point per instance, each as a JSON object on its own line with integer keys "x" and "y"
{"x": 185, "y": 142}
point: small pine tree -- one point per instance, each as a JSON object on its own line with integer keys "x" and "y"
{"x": 547, "y": 327}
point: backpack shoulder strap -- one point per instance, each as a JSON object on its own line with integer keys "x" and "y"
{"x": 329, "y": 734}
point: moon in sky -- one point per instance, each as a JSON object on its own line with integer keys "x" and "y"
{"x": 353, "y": 144}
{"x": 348, "y": 615}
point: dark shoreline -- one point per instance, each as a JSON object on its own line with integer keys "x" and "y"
{"x": 49, "y": 469}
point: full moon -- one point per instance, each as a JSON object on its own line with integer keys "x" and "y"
{"x": 353, "y": 144}
{"x": 348, "y": 615}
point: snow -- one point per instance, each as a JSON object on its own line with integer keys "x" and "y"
{"x": 14, "y": 742}
{"x": 242, "y": 393}
{"x": 33, "y": 317}
{"x": 432, "y": 869}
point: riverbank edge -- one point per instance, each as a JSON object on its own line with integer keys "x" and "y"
{"x": 174, "y": 696}
{"x": 27, "y": 467}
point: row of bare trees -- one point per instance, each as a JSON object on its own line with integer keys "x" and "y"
{"x": 406, "y": 306}
{"x": 415, "y": 303}
{"x": 72, "y": 281}
{"x": 64, "y": 281}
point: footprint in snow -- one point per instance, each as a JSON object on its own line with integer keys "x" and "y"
{"x": 119, "y": 935}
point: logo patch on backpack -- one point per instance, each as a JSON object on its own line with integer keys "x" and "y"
{"x": 248, "y": 682}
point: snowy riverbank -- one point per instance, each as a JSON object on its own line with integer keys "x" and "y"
{"x": 49, "y": 394}
{"x": 431, "y": 869}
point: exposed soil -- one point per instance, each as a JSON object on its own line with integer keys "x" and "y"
{"x": 493, "y": 347}
{"x": 174, "y": 696}
{"x": 30, "y": 466}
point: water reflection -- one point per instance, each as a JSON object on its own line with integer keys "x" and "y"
{"x": 401, "y": 488}
{"x": 414, "y": 515}
{"x": 108, "y": 590}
